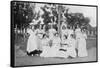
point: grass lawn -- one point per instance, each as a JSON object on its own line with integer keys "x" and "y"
{"x": 36, "y": 60}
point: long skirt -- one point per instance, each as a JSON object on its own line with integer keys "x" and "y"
{"x": 31, "y": 44}
{"x": 50, "y": 51}
{"x": 71, "y": 52}
{"x": 45, "y": 51}
{"x": 66, "y": 51}
{"x": 39, "y": 45}
{"x": 54, "y": 50}
{"x": 82, "y": 50}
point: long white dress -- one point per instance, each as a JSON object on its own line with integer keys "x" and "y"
{"x": 78, "y": 36}
{"x": 45, "y": 47}
{"x": 55, "y": 47}
{"x": 63, "y": 49}
{"x": 81, "y": 44}
{"x": 71, "y": 47}
{"x": 82, "y": 50}
{"x": 39, "y": 38}
{"x": 32, "y": 41}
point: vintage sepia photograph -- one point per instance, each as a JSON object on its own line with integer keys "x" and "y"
{"x": 53, "y": 33}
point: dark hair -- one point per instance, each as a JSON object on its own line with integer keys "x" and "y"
{"x": 66, "y": 36}
{"x": 44, "y": 35}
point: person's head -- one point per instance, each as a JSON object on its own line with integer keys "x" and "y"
{"x": 64, "y": 37}
{"x": 56, "y": 34}
{"x": 83, "y": 30}
{"x": 63, "y": 27}
{"x": 78, "y": 26}
{"x": 71, "y": 35}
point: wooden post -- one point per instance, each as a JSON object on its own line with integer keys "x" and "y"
{"x": 59, "y": 20}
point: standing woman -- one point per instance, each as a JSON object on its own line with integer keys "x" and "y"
{"x": 81, "y": 43}
{"x": 45, "y": 46}
{"x": 40, "y": 33}
{"x": 31, "y": 44}
{"x": 82, "y": 50}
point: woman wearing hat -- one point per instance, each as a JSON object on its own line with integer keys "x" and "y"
{"x": 82, "y": 50}
{"x": 45, "y": 46}
{"x": 81, "y": 43}
{"x": 32, "y": 40}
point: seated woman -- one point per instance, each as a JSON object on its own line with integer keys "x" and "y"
{"x": 55, "y": 45}
{"x": 68, "y": 47}
{"x": 63, "y": 48}
{"x": 71, "y": 46}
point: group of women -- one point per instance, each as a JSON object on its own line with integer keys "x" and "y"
{"x": 52, "y": 44}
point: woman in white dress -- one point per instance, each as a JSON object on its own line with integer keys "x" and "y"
{"x": 82, "y": 50}
{"x": 40, "y": 33}
{"x": 55, "y": 46}
{"x": 45, "y": 46}
{"x": 63, "y": 48}
{"x": 68, "y": 47}
{"x": 32, "y": 40}
{"x": 81, "y": 43}
{"x": 71, "y": 46}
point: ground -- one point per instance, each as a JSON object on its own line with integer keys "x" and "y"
{"x": 34, "y": 60}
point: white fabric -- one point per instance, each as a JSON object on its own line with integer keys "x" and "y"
{"x": 81, "y": 43}
{"x": 45, "y": 47}
{"x": 82, "y": 50}
{"x": 51, "y": 33}
{"x": 55, "y": 46}
{"x": 53, "y": 50}
{"x": 69, "y": 47}
{"x": 32, "y": 41}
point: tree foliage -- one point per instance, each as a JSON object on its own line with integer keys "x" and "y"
{"x": 22, "y": 13}
{"x": 74, "y": 19}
